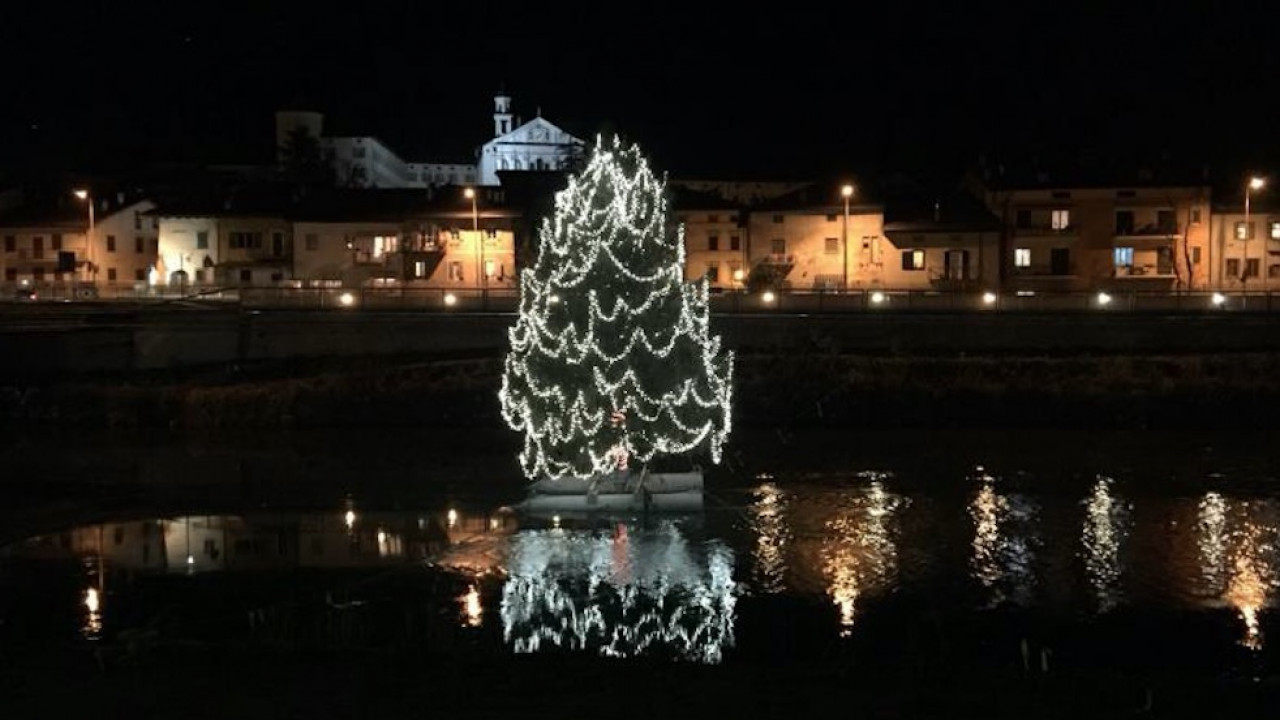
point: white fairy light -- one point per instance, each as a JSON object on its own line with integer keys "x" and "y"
{"x": 607, "y": 325}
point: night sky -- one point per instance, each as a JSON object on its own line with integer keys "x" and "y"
{"x": 925, "y": 87}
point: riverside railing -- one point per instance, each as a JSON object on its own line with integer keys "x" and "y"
{"x": 506, "y": 300}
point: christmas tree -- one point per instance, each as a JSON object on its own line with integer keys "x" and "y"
{"x": 611, "y": 360}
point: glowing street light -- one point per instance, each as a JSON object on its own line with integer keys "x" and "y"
{"x": 768, "y": 297}
{"x": 846, "y": 192}
{"x": 346, "y": 299}
{"x": 83, "y": 195}
{"x": 1104, "y": 299}
{"x": 450, "y": 299}
{"x": 470, "y": 194}
{"x": 989, "y": 298}
{"x": 1255, "y": 183}
{"x": 877, "y": 297}
{"x": 1218, "y": 299}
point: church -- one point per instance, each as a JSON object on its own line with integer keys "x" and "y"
{"x": 534, "y": 145}
{"x": 366, "y": 161}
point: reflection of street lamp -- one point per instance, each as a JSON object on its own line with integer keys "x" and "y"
{"x": 1255, "y": 183}
{"x": 470, "y": 194}
{"x": 84, "y": 195}
{"x": 846, "y": 192}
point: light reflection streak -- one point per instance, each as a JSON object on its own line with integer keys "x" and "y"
{"x": 861, "y": 552}
{"x": 1238, "y": 558}
{"x": 1106, "y": 527}
{"x": 773, "y": 538}
{"x": 565, "y": 590}
{"x": 1003, "y": 543}
{"x": 472, "y": 611}
{"x": 93, "y": 606}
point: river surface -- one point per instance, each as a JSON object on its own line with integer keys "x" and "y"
{"x": 995, "y": 550}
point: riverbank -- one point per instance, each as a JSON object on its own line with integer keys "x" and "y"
{"x": 783, "y": 390}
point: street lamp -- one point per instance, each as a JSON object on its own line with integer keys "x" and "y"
{"x": 470, "y": 194}
{"x": 846, "y": 192}
{"x": 83, "y": 194}
{"x": 1255, "y": 183}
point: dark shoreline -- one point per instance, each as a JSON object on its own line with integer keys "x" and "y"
{"x": 1189, "y": 391}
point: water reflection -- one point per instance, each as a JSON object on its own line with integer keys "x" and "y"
{"x": 1105, "y": 529}
{"x": 1236, "y": 543}
{"x": 620, "y": 593}
{"x": 860, "y": 553}
{"x": 772, "y": 529}
{"x": 1004, "y": 541}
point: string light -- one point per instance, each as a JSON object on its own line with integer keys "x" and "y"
{"x": 607, "y": 327}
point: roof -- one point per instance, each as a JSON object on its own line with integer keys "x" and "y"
{"x": 915, "y": 207}
{"x": 683, "y": 198}
{"x": 57, "y": 206}
{"x": 819, "y": 198}
{"x": 282, "y": 200}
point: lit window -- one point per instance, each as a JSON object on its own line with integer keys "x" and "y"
{"x": 455, "y": 271}
{"x": 1060, "y": 219}
{"x": 1275, "y": 230}
{"x": 420, "y": 269}
{"x": 490, "y": 268}
{"x": 912, "y": 259}
{"x": 1022, "y": 257}
{"x": 1123, "y": 256}
{"x": 1243, "y": 231}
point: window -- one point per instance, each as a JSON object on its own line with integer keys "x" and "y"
{"x": 713, "y": 218}
{"x": 139, "y": 245}
{"x": 1195, "y": 216}
{"x": 1242, "y": 232}
{"x": 777, "y": 219}
{"x": 832, "y": 246}
{"x": 831, "y": 217}
{"x": 1123, "y": 256}
{"x": 713, "y": 272}
{"x": 1273, "y": 271}
{"x": 1274, "y": 232}
{"x": 1061, "y": 195}
{"x": 111, "y": 274}
{"x": 11, "y": 274}
{"x": 731, "y": 217}
{"x": 312, "y": 241}
{"x": 140, "y": 275}
{"x": 137, "y": 221}
{"x": 1124, "y": 222}
{"x": 10, "y": 243}
{"x": 111, "y": 243}
{"x": 1195, "y": 256}
{"x": 912, "y": 259}
{"x": 455, "y": 271}
{"x": 1023, "y": 218}
{"x": 55, "y": 242}
{"x": 734, "y": 243}
{"x": 1060, "y": 219}
{"x": 39, "y": 274}
{"x": 713, "y": 242}
{"x": 37, "y": 248}
{"x": 420, "y": 269}
{"x": 1022, "y": 257}
{"x": 245, "y": 240}
{"x": 246, "y": 276}
{"x": 1233, "y": 267}
{"x": 1251, "y": 267}
{"x": 202, "y": 240}
{"x": 1167, "y": 222}
{"x": 778, "y": 246}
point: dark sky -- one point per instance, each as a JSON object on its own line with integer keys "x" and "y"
{"x": 921, "y": 86}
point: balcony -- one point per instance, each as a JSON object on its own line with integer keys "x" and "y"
{"x": 1044, "y": 231}
{"x": 1150, "y": 230}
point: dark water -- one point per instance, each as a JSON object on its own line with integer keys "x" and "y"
{"x": 992, "y": 551}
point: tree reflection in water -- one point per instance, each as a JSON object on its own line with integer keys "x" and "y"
{"x": 622, "y": 593}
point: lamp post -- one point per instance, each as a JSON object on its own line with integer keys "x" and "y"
{"x": 84, "y": 195}
{"x": 1255, "y": 183}
{"x": 470, "y": 194}
{"x": 846, "y": 192}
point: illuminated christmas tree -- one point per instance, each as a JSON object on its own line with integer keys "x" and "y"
{"x": 611, "y": 360}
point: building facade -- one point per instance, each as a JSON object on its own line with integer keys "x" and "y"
{"x": 535, "y": 145}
